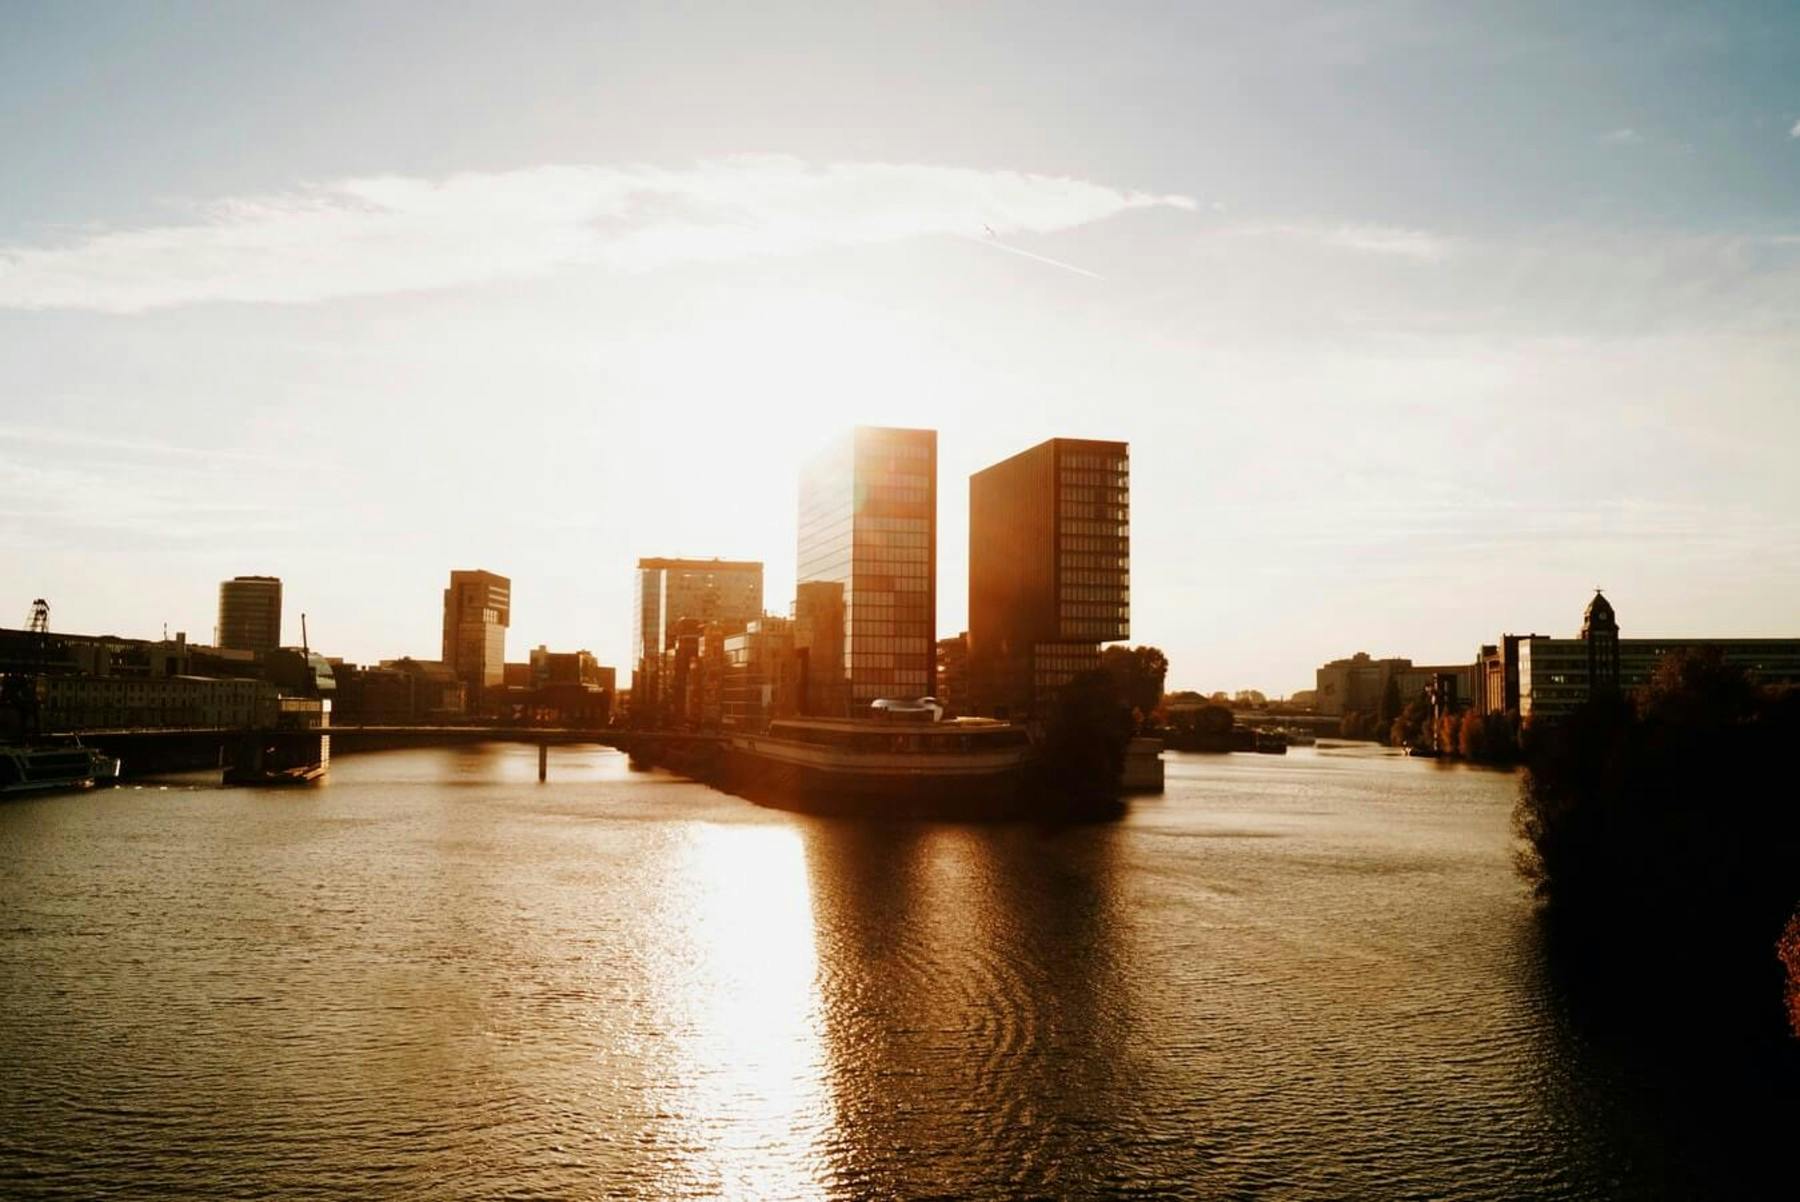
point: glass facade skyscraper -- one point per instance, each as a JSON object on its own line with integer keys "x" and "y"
{"x": 868, "y": 522}
{"x": 250, "y": 613}
{"x": 1049, "y": 570}
{"x": 666, "y": 591}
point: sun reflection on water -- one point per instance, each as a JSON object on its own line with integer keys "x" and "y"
{"x": 754, "y": 1111}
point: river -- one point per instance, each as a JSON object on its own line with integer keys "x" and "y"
{"x": 1311, "y": 976}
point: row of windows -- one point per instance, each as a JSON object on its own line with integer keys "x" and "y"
{"x": 877, "y": 476}
{"x": 895, "y": 496}
{"x": 1078, "y": 526}
{"x": 1096, "y": 611}
{"x": 893, "y": 538}
{"x": 881, "y": 660}
{"x": 1092, "y": 511}
{"x": 1114, "y": 594}
{"x": 859, "y": 631}
{"x": 1085, "y": 566}
{"x": 879, "y": 554}
{"x": 878, "y": 740}
{"x": 1093, "y": 628}
{"x": 911, "y": 569}
{"x": 869, "y": 582}
{"x": 866, "y": 674}
{"x": 868, "y": 643}
{"x": 876, "y": 522}
{"x": 1090, "y": 492}
{"x": 1088, "y": 476}
{"x": 867, "y": 602}
{"x": 1110, "y": 545}
{"x": 900, "y": 446}
{"x": 1111, "y": 463}
{"x": 1066, "y": 663}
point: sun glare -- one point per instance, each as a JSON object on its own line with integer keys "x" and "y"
{"x": 754, "y": 1063}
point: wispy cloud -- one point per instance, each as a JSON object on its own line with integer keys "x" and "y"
{"x": 1398, "y": 241}
{"x": 384, "y": 234}
{"x": 1622, "y": 137}
{"x": 1795, "y": 132}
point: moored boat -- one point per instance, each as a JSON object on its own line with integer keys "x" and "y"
{"x": 297, "y": 774}
{"x": 33, "y": 769}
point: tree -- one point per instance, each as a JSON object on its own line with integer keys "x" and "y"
{"x": 1085, "y": 740}
{"x": 1138, "y": 673}
{"x": 1356, "y": 724}
{"x": 1250, "y": 699}
{"x": 1391, "y": 704}
{"x": 1413, "y": 727}
{"x": 1652, "y": 834}
{"x": 1471, "y": 737}
{"x": 1789, "y": 952}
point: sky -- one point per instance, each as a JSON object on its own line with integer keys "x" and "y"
{"x": 1422, "y": 320}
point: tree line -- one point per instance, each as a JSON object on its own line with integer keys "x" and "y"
{"x": 1661, "y": 833}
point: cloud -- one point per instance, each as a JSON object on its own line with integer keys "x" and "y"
{"x": 1795, "y": 132}
{"x": 384, "y": 234}
{"x": 1623, "y": 137}
{"x": 1398, "y": 241}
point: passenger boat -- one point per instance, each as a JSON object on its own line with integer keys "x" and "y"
{"x": 32, "y": 769}
{"x": 900, "y": 766}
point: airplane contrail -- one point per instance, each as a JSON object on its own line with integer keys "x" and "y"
{"x": 999, "y": 245}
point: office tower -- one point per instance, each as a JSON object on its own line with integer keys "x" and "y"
{"x": 868, "y": 524}
{"x": 1049, "y": 571}
{"x": 250, "y": 613}
{"x": 666, "y": 592}
{"x": 477, "y": 611}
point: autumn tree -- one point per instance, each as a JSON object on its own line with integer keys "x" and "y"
{"x": 1138, "y": 673}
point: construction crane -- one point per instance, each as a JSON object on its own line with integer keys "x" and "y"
{"x": 18, "y": 690}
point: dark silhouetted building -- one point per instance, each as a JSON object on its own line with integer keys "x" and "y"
{"x": 868, "y": 524}
{"x": 1357, "y": 684}
{"x": 250, "y": 613}
{"x": 953, "y": 674}
{"x": 822, "y": 685}
{"x": 477, "y": 611}
{"x": 549, "y": 667}
{"x": 1049, "y": 571}
{"x": 669, "y": 591}
{"x": 1557, "y": 675}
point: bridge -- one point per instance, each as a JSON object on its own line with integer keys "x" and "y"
{"x": 170, "y": 748}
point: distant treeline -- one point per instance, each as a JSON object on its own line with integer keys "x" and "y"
{"x": 1661, "y": 832}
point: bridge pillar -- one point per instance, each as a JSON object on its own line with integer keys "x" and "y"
{"x": 543, "y": 761}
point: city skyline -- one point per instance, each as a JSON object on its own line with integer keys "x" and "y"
{"x": 1396, "y": 374}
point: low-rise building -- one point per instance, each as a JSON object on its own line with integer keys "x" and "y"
{"x": 762, "y": 674}
{"x": 76, "y": 703}
{"x": 1557, "y": 675}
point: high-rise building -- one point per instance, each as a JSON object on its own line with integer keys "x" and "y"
{"x": 669, "y": 591}
{"x": 1049, "y": 571}
{"x": 477, "y": 611}
{"x": 868, "y": 524}
{"x": 250, "y": 613}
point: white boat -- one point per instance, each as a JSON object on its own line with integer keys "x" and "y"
{"x": 26, "y": 769}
